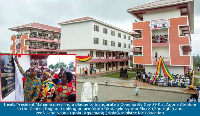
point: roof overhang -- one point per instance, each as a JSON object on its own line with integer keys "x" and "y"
{"x": 31, "y": 28}
{"x": 186, "y": 8}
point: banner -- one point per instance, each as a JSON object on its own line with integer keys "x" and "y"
{"x": 7, "y": 75}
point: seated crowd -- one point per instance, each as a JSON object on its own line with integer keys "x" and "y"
{"x": 179, "y": 80}
{"x": 52, "y": 37}
{"x": 160, "y": 38}
{"x": 40, "y": 46}
{"x": 44, "y": 85}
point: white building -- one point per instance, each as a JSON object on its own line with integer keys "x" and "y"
{"x": 109, "y": 46}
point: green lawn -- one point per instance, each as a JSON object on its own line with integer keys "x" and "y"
{"x": 117, "y": 75}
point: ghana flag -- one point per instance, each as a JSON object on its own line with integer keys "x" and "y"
{"x": 83, "y": 58}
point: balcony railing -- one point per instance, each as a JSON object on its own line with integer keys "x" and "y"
{"x": 164, "y": 58}
{"x": 127, "y": 57}
{"x": 160, "y": 39}
{"x": 18, "y": 46}
{"x": 43, "y": 47}
{"x": 44, "y": 37}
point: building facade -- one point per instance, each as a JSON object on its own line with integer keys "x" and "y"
{"x": 164, "y": 30}
{"x": 108, "y": 46}
{"x": 35, "y": 38}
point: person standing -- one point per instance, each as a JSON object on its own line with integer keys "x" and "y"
{"x": 65, "y": 90}
{"x": 90, "y": 70}
{"x": 47, "y": 88}
{"x": 86, "y": 71}
{"x": 32, "y": 84}
{"x": 156, "y": 56}
{"x": 136, "y": 89}
{"x": 95, "y": 70}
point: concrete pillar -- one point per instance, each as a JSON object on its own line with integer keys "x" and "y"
{"x": 99, "y": 67}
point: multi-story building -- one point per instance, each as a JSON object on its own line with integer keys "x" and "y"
{"x": 35, "y": 38}
{"x": 164, "y": 30}
{"x": 108, "y": 46}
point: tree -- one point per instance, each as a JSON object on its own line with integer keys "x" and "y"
{"x": 71, "y": 65}
{"x": 58, "y": 65}
{"x": 51, "y": 66}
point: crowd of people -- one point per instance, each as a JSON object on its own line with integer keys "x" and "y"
{"x": 42, "y": 85}
{"x": 159, "y": 38}
{"x": 40, "y": 46}
{"x": 39, "y": 62}
{"x": 52, "y": 37}
{"x": 86, "y": 72}
{"x": 178, "y": 81}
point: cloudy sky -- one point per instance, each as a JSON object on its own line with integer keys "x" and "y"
{"x": 50, "y": 12}
{"x": 53, "y": 59}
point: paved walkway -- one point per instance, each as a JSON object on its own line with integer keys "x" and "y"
{"x": 128, "y": 83}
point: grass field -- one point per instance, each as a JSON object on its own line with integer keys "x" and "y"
{"x": 117, "y": 75}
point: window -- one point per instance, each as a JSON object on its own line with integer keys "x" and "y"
{"x": 96, "y": 28}
{"x": 109, "y": 64}
{"x": 129, "y": 46}
{"x": 119, "y": 44}
{"x": 102, "y": 54}
{"x": 124, "y": 36}
{"x": 91, "y": 53}
{"x": 105, "y": 30}
{"x": 26, "y": 42}
{"x": 113, "y": 64}
{"x": 102, "y": 65}
{"x": 104, "y": 42}
{"x": 96, "y": 40}
{"x": 97, "y": 65}
{"x": 109, "y": 54}
{"x": 121, "y": 63}
{"x": 129, "y": 37}
{"x": 124, "y": 45}
{"x": 97, "y": 53}
{"x": 112, "y": 43}
{"x": 112, "y": 33}
{"x": 119, "y": 35}
{"x": 126, "y": 62}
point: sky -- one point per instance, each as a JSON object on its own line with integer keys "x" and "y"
{"x": 51, "y": 12}
{"x": 53, "y": 59}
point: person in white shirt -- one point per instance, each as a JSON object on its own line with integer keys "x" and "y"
{"x": 136, "y": 89}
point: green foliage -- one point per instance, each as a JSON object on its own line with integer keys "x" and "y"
{"x": 71, "y": 65}
{"x": 58, "y": 65}
{"x": 196, "y": 61}
{"x": 51, "y": 66}
{"x": 196, "y": 82}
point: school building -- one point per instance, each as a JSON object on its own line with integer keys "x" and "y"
{"x": 164, "y": 29}
{"x": 108, "y": 46}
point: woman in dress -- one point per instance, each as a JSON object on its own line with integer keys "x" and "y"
{"x": 65, "y": 91}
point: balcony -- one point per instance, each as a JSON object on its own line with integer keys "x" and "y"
{"x": 44, "y": 38}
{"x": 45, "y": 48}
{"x": 110, "y": 59}
{"x": 160, "y": 40}
{"x": 137, "y": 50}
{"x": 166, "y": 60}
